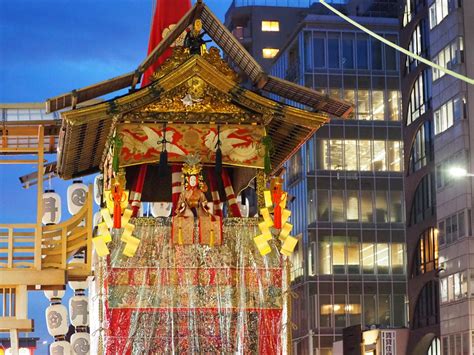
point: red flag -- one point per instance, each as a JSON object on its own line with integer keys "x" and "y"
{"x": 167, "y": 13}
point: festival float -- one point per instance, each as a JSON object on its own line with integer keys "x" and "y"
{"x": 204, "y": 270}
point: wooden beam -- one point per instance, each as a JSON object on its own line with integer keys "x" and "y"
{"x": 18, "y": 150}
{"x": 47, "y": 277}
{"x": 32, "y": 178}
{"x": 90, "y": 92}
{"x": 18, "y": 161}
{"x": 11, "y": 323}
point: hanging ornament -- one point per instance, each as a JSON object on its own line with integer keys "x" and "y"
{"x": 243, "y": 206}
{"x": 51, "y": 207}
{"x": 269, "y": 149}
{"x": 79, "y": 309}
{"x": 79, "y": 317}
{"x": 218, "y": 168}
{"x": 116, "y": 216}
{"x": 80, "y": 343}
{"x": 161, "y": 209}
{"x": 76, "y": 196}
{"x": 60, "y": 347}
{"x": 56, "y": 321}
{"x": 117, "y": 144}
{"x": 275, "y": 202}
{"x": 163, "y": 165}
{"x": 98, "y": 189}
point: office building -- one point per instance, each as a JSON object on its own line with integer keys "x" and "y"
{"x": 348, "y": 180}
{"x": 451, "y": 35}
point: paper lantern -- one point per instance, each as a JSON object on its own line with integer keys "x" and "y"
{"x": 161, "y": 209}
{"x": 54, "y": 294}
{"x": 60, "y": 348}
{"x": 51, "y": 207}
{"x": 80, "y": 344}
{"x": 79, "y": 311}
{"x": 78, "y": 285}
{"x": 98, "y": 189}
{"x": 76, "y": 196}
{"x": 56, "y": 319}
{"x": 243, "y": 206}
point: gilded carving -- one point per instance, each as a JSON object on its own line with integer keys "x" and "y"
{"x": 195, "y": 95}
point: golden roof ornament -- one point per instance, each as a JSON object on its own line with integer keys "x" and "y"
{"x": 192, "y": 165}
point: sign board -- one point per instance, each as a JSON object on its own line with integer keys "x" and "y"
{"x": 389, "y": 342}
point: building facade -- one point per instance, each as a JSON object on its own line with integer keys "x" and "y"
{"x": 420, "y": 194}
{"x": 450, "y": 41}
{"x": 350, "y": 267}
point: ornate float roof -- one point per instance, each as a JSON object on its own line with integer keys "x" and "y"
{"x": 216, "y": 98}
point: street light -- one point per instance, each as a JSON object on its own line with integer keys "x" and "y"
{"x": 458, "y": 172}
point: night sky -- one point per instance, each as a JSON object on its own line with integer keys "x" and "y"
{"x": 48, "y": 48}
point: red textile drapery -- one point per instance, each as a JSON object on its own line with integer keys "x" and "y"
{"x": 167, "y": 13}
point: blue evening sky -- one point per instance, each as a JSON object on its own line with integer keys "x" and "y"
{"x": 50, "y": 47}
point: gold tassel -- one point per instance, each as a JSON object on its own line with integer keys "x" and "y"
{"x": 180, "y": 236}
{"x": 211, "y": 238}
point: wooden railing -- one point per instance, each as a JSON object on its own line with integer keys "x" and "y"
{"x": 7, "y": 296}
{"x": 27, "y": 246}
{"x": 17, "y": 245}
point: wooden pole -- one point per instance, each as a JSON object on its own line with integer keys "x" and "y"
{"x": 39, "y": 206}
{"x": 89, "y": 226}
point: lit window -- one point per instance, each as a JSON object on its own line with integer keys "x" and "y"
{"x": 449, "y": 57}
{"x": 365, "y": 155}
{"x": 269, "y": 53}
{"x": 270, "y": 26}
{"x": 382, "y": 258}
{"x": 446, "y": 115}
{"x": 325, "y": 256}
{"x": 421, "y": 150}
{"x": 378, "y": 107}
{"x": 407, "y": 14}
{"x": 368, "y": 258}
{"x": 398, "y": 258}
{"x": 393, "y": 105}
{"x": 338, "y": 250}
{"x": 419, "y": 97}
{"x": 440, "y": 9}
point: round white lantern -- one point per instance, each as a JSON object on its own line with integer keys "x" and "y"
{"x": 54, "y": 294}
{"x": 76, "y": 196}
{"x": 161, "y": 209}
{"x": 56, "y": 320}
{"x": 98, "y": 189}
{"x": 80, "y": 344}
{"x": 243, "y": 206}
{"x": 78, "y": 285}
{"x": 51, "y": 207}
{"x": 79, "y": 311}
{"x": 60, "y": 348}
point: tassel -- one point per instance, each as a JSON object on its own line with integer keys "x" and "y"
{"x": 218, "y": 161}
{"x": 180, "y": 236}
{"x": 163, "y": 165}
{"x": 218, "y": 152}
{"x": 267, "y": 164}
{"x": 211, "y": 238}
{"x": 117, "y": 144}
